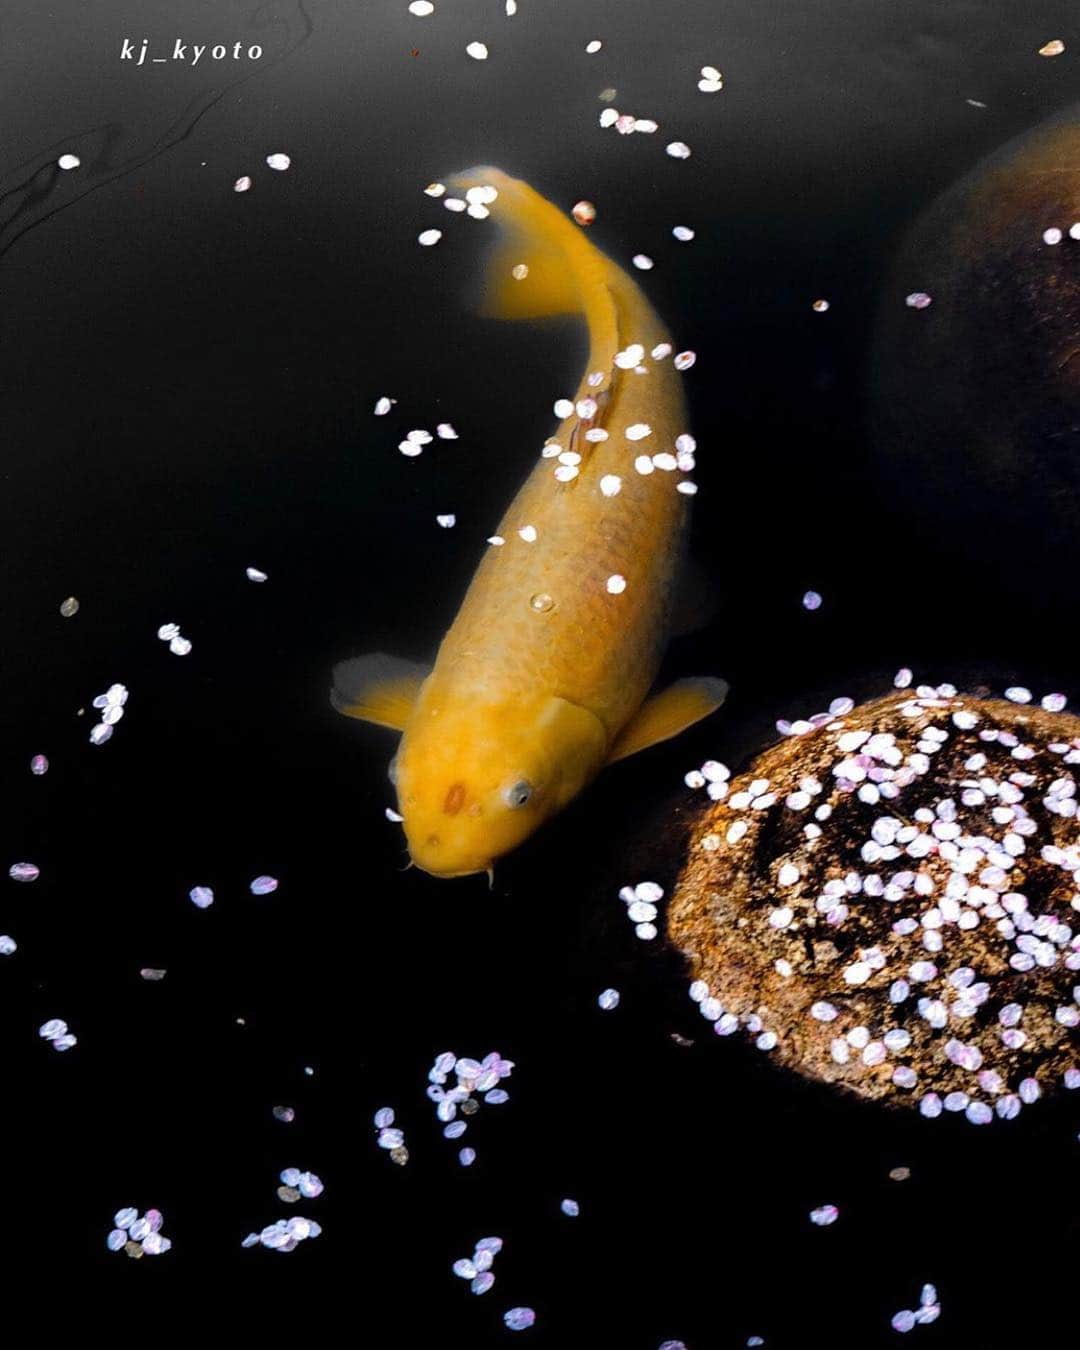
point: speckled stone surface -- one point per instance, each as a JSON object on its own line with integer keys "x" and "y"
{"x": 837, "y": 900}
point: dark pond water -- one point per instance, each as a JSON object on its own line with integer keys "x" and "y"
{"x": 189, "y": 382}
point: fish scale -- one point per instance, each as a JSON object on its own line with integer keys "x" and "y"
{"x": 599, "y": 650}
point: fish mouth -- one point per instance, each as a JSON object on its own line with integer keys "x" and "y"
{"x": 484, "y": 868}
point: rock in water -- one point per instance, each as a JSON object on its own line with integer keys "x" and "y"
{"x": 889, "y": 903}
{"x": 975, "y": 398}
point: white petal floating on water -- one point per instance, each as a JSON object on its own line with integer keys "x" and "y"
{"x": 679, "y": 150}
{"x": 8, "y": 945}
{"x": 446, "y": 432}
{"x": 684, "y": 360}
{"x": 310, "y": 1185}
{"x": 410, "y": 449}
{"x": 611, "y": 485}
{"x": 608, "y": 999}
{"x": 566, "y": 473}
{"x": 467, "y": 1156}
{"x": 455, "y": 204}
{"x": 478, "y": 51}
{"x": 710, "y": 73}
{"x": 383, "y": 406}
{"x": 253, "y": 574}
{"x": 519, "y": 1319}
{"x": 68, "y": 162}
{"x": 616, "y": 584}
{"x": 630, "y": 357}
{"x": 918, "y": 300}
{"x": 69, "y": 607}
{"x": 638, "y": 431}
{"x": 24, "y": 871}
{"x": 447, "y": 522}
{"x": 168, "y": 631}
{"x": 824, "y": 1215}
{"x": 1052, "y": 48}
{"x": 528, "y": 533}
{"x": 496, "y": 540}
{"x": 428, "y": 237}
{"x": 570, "y": 1208}
{"x": 151, "y": 974}
{"x": 563, "y": 408}
{"x": 683, "y": 233}
{"x": 584, "y": 212}
{"x": 421, "y": 8}
{"x": 278, "y": 162}
{"x": 594, "y": 46}
{"x": 643, "y": 262}
{"x": 435, "y": 189}
{"x": 811, "y": 600}
{"x": 180, "y": 646}
{"x": 820, "y": 306}
{"x": 263, "y": 885}
{"x": 100, "y": 734}
{"x": 1052, "y": 236}
{"x": 644, "y": 464}
{"x": 242, "y": 184}
{"x": 202, "y": 897}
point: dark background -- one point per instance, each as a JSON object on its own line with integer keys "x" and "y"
{"x": 188, "y": 383}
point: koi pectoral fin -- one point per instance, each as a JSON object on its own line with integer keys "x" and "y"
{"x": 666, "y": 714}
{"x": 377, "y": 688}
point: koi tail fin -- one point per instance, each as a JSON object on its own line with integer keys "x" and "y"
{"x": 542, "y": 264}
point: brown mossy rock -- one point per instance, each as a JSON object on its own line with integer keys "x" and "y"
{"x": 799, "y": 913}
{"x": 975, "y": 401}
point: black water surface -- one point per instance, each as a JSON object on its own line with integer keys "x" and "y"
{"x": 189, "y": 375}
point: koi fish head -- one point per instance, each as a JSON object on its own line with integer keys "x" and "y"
{"x": 474, "y": 781}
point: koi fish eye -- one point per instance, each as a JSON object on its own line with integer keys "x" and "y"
{"x": 518, "y": 794}
{"x": 391, "y": 771}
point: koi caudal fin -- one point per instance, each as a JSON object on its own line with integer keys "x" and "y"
{"x": 543, "y": 264}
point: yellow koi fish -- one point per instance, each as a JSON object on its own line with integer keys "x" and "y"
{"x": 545, "y": 675}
